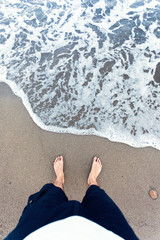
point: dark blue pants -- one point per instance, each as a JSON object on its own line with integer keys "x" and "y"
{"x": 51, "y": 204}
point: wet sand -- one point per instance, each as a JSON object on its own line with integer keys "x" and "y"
{"x": 27, "y": 153}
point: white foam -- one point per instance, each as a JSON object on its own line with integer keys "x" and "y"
{"x": 90, "y": 100}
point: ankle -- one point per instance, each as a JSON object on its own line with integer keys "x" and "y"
{"x": 60, "y": 179}
{"x": 59, "y": 183}
{"x": 92, "y": 181}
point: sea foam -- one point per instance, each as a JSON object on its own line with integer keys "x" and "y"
{"x": 85, "y": 67}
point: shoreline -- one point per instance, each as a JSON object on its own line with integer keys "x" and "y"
{"x": 27, "y": 153}
{"x": 148, "y": 141}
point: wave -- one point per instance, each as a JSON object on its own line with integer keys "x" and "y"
{"x": 85, "y": 67}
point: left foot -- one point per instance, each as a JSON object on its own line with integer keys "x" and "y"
{"x": 58, "y": 168}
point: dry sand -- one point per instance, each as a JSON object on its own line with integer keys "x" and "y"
{"x": 27, "y": 153}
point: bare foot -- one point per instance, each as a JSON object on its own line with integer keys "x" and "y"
{"x": 95, "y": 171}
{"x": 58, "y": 168}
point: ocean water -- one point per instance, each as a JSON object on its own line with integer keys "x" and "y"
{"x": 85, "y": 66}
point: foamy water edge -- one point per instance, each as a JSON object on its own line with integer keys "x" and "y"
{"x": 132, "y": 117}
{"x": 145, "y": 141}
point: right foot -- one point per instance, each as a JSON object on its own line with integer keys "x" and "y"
{"x": 95, "y": 171}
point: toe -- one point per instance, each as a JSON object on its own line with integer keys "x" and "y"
{"x": 56, "y": 160}
{"x": 99, "y": 161}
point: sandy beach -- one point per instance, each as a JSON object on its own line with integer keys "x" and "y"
{"x": 27, "y": 153}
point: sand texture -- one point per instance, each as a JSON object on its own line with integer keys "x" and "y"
{"x": 27, "y": 153}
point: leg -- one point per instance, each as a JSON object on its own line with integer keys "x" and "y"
{"x": 54, "y": 193}
{"x": 47, "y": 205}
{"x": 101, "y": 209}
{"x": 89, "y": 199}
